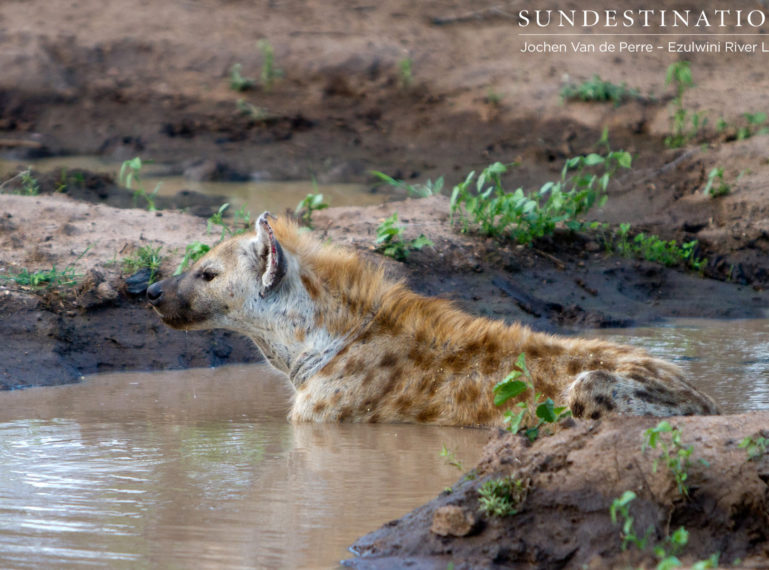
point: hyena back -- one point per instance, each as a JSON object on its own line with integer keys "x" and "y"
{"x": 357, "y": 346}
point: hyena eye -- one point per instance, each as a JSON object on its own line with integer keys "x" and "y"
{"x": 209, "y": 275}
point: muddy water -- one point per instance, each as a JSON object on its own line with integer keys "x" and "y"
{"x": 255, "y": 196}
{"x": 727, "y": 359}
{"x": 201, "y": 469}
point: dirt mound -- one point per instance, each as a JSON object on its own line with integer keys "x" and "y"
{"x": 569, "y": 483}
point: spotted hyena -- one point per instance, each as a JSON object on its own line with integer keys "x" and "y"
{"x": 357, "y": 346}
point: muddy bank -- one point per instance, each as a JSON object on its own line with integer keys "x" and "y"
{"x": 55, "y": 334}
{"x": 85, "y": 80}
{"x": 570, "y": 481}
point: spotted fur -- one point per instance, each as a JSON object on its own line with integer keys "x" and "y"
{"x": 359, "y": 347}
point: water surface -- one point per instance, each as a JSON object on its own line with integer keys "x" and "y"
{"x": 727, "y": 359}
{"x": 256, "y": 196}
{"x": 201, "y": 469}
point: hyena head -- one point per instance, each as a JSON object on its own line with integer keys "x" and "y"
{"x": 241, "y": 280}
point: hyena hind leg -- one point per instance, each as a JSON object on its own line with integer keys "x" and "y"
{"x": 595, "y": 393}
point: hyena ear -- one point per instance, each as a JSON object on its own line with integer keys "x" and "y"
{"x": 269, "y": 255}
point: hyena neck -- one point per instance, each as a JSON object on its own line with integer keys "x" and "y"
{"x": 293, "y": 335}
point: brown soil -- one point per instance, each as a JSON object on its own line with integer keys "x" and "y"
{"x": 572, "y": 479}
{"x": 96, "y": 78}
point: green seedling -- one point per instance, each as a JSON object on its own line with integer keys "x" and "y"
{"x": 667, "y": 551}
{"x": 251, "y": 111}
{"x": 526, "y": 216}
{"x": 49, "y": 278}
{"x": 130, "y": 177}
{"x": 389, "y": 240}
{"x": 685, "y": 124}
{"x": 652, "y": 248}
{"x": 313, "y": 202}
{"x": 192, "y": 253}
{"x": 493, "y": 98}
{"x": 755, "y": 447}
{"x": 451, "y": 458}
{"x": 27, "y": 183}
{"x": 405, "y": 73}
{"x": 755, "y": 125}
{"x": 270, "y": 72}
{"x": 715, "y": 185}
{"x": 673, "y": 454}
{"x": 544, "y": 410}
{"x": 145, "y": 257}
{"x": 425, "y": 190}
{"x": 237, "y": 81}
{"x": 600, "y": 91}
{"x": 501, "y": 497}
{"x": 620, "y": 509}
{"x": 241, "y": 221}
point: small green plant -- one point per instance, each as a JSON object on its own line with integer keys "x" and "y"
{"x": 405, "y": 73}
{"x": 544, "y": 410}
{"x": 27, "y": 183}
{"x": 493, "y": 97}
{"x": 755, "y": 125}
{"x": 192, "y": 253}
{"x": 673, "y": 453}
{"x": 598, "y": 90}
{"x": 270, "y": 73}
{"x": 389, "y": 239}
{"x": 451, "y": 458}
{"x": 62, "y": 183}
{"x": 685, "y": 124}
{"x": 667, "y": 551}
{"x": 425, "y": 190}
{"x": 241, "y": 222}
{"x": 311, "y": 203}
{"x": 715, "y": 185}
{"x": 145, "y": 257}
{"x": 251, "y": 111}
{"x": 502, "y": 497}
{"x": 652, "y": 248}
{"x": 49, "y": 278}
{"x": 130, "y": 176}
{"x": 755, "y": 447}
{"x": 237, "y": 81}
{"x": 526, "y": 216}
{"x": 620, "y": 508}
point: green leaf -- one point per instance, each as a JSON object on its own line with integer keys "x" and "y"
{"x": 514, "y": 420}
{"x": 546, "y": 411}
{"x": 624, "y": 159}
{"x": 593, "y": 159}
{"x": 507, "y": 389}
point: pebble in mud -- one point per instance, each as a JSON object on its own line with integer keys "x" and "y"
{"x": 451, "y": 520}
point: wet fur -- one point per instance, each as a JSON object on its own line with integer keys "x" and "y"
{"x": 357, "y": 346}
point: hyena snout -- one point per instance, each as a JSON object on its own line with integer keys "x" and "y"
{"x": 155, "y": 293}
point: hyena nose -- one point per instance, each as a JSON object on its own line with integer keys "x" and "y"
{"x": 155, "y": 293}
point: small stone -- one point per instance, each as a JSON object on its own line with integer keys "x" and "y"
{"x": 451, "y": 520}
{"x": 106, "y": 292}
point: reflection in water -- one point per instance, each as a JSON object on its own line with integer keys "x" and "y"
{"x": 727, "y": 359}
{"x": 201, "y": 469}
